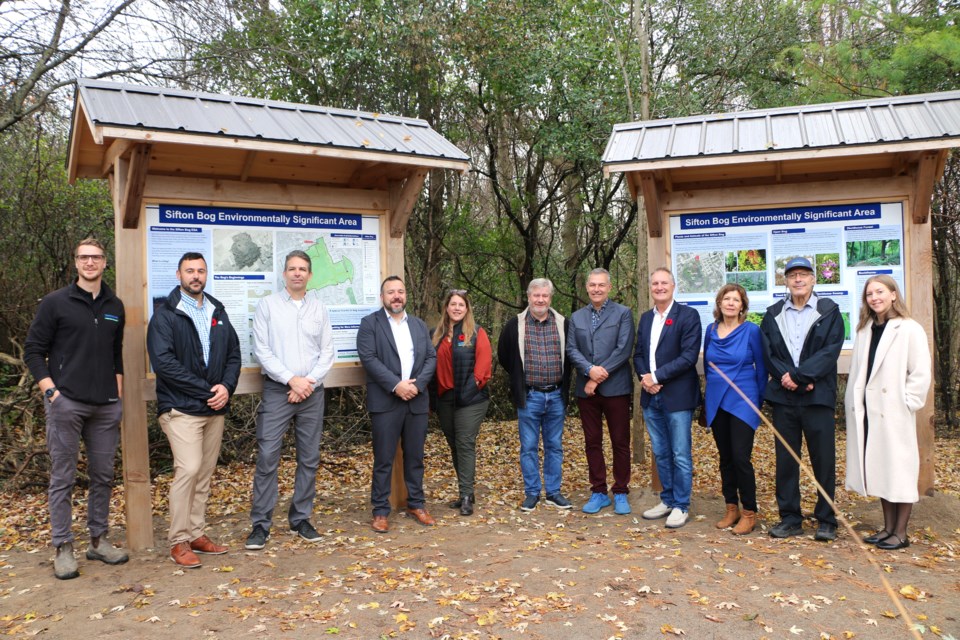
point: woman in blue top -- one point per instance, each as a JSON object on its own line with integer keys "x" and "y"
{"x": 735, "y": 347}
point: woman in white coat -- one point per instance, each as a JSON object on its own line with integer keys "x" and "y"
{"x": 889, "y": 378}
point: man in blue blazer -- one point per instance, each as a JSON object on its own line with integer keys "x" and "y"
{"x": 599, "y": 345}
{"x": 668, "y": 346}
{"x": 399, "y": 358}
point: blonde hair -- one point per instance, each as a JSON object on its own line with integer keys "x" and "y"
{"x": 445, "y": 326}
{"x": 897, "y": 310}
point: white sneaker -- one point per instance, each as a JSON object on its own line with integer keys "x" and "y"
{"x": 676, "y": 519}
{"x": 656, "y": 512}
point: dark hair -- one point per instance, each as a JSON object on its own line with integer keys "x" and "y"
{"x": 190, "y": 255}
{"x": 724, "y": 290}
{"x": 388, "y": 279}
{"x": 296, "y": 253}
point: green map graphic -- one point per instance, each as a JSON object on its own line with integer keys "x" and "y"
{"x": 326, "y": 272}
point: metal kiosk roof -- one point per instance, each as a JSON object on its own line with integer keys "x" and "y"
{"x": 876, "y": 138}
{"x": 188, "y": 134}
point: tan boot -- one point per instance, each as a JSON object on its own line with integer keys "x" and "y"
{"x": 730, "y": 517}
{"x": 748, "y": 522}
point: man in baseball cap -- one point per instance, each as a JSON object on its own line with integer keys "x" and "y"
{"x": 802, "y": 337}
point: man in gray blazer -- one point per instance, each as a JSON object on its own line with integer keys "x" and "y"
{"x": 599, "y": 345}
{"x": 399, "y": 358}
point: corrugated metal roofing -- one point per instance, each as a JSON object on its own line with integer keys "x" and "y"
{"x": 863, "y": 122}
{"x": 154, "y": 108}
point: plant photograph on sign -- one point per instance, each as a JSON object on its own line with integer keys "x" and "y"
{"x": 751, "y": 281}
{"x": 700, "y": 272}
{"x": 781, "y": 262}
{"x": 828, "y": 268}
{"x": 873, "y": 253}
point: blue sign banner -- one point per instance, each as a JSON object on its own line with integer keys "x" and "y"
{"x": 183, "y": 214}
{"x": 791, "y": 215}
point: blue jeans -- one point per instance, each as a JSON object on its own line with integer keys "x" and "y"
{"x": 670, "y": 440}
{"x": 542, "y": 415}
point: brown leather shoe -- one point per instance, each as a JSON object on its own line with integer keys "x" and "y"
{"x": 730, "y": 518}
{"x": 183, "y": 556}
{"x": 380, "y": 524}
{"x": 748, "y": 522}
{"x": 203, "y": 544}
{"x": 422, "y": 517}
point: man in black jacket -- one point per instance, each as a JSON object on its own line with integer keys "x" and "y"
{"x": 195, "y": 353}
{"x": 802, "y": 338}
{"x": 74, "y": 350}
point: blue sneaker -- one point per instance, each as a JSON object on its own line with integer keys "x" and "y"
{"x": 621, "y": 506}
{"x": 596, "y": 502}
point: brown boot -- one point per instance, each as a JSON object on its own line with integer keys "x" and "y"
{"x": 730, "y": 517}
{"x": 748, "y": 522}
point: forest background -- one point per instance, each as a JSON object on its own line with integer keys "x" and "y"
{"x": 530, "y": 90}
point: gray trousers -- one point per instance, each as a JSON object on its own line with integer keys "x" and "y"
{"x": 273, "y": 420}
{"x": 69, "y": 421}
{"x": 461, "y": 425}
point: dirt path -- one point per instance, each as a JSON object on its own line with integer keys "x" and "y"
{"x": 501, "y": 574}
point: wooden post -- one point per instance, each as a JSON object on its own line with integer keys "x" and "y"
{"x": 393, "y": 265}
{"x": 920, "y": 301}
{"x": 130, "y": 254}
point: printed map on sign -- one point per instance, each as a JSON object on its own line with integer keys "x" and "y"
{"x": 337, "y": 261}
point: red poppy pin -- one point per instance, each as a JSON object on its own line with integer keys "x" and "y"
{"x": 213, "y": 322}
{"x": 668, "y": 321}
{"x": 461, "y": 337}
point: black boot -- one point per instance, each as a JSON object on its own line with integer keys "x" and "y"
{"x": 466, "y": 505}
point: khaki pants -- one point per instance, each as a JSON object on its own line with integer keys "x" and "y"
{"x": 195, "y": 443}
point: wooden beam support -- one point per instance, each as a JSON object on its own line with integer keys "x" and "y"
{"x": 667, "y": 180}
{"x": 247, "y": 165}
{"x": 632, "y": 185}
{"x": 925, "y": 177}
{"x": 130, "y": 253}
{"x": 118, "y": 149}
{"x": 651, "y": 201}
{"x": 406, "y": 198}
{"x": 133, "y": 190}
{"x": 899, "y": 165}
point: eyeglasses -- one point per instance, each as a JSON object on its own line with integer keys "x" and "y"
{"x": 797, "y": 275}
{"x": 457, "y": 292}
{"x": 90, "y": 258}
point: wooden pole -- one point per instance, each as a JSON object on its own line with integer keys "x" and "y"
{"x": 130, "y": 253}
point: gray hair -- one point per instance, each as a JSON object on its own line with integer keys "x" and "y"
{"x": 600, "y": 271}
{"x": 664, "y": 270}
{"x": 540, "y": 283}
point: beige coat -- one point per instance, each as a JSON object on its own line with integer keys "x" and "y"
{"x": 897, "y": 389}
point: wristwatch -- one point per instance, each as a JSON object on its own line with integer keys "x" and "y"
{"x": 49, "y": 392}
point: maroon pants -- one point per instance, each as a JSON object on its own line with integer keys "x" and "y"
{"x": 617, "y": 411}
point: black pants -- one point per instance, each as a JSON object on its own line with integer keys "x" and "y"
{"x": 814, "y": 423}
{"x": 389, "y": 429}
{"x": 734, "y": 439}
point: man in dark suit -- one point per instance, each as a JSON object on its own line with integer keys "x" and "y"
{"x": 668, "y": 346}
{"x": 400, "y": 360}
{"x": 599, "y": 345}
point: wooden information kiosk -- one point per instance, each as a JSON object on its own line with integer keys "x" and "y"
{"x": 243, "y": 178}
{"x": 730, "y": 197}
